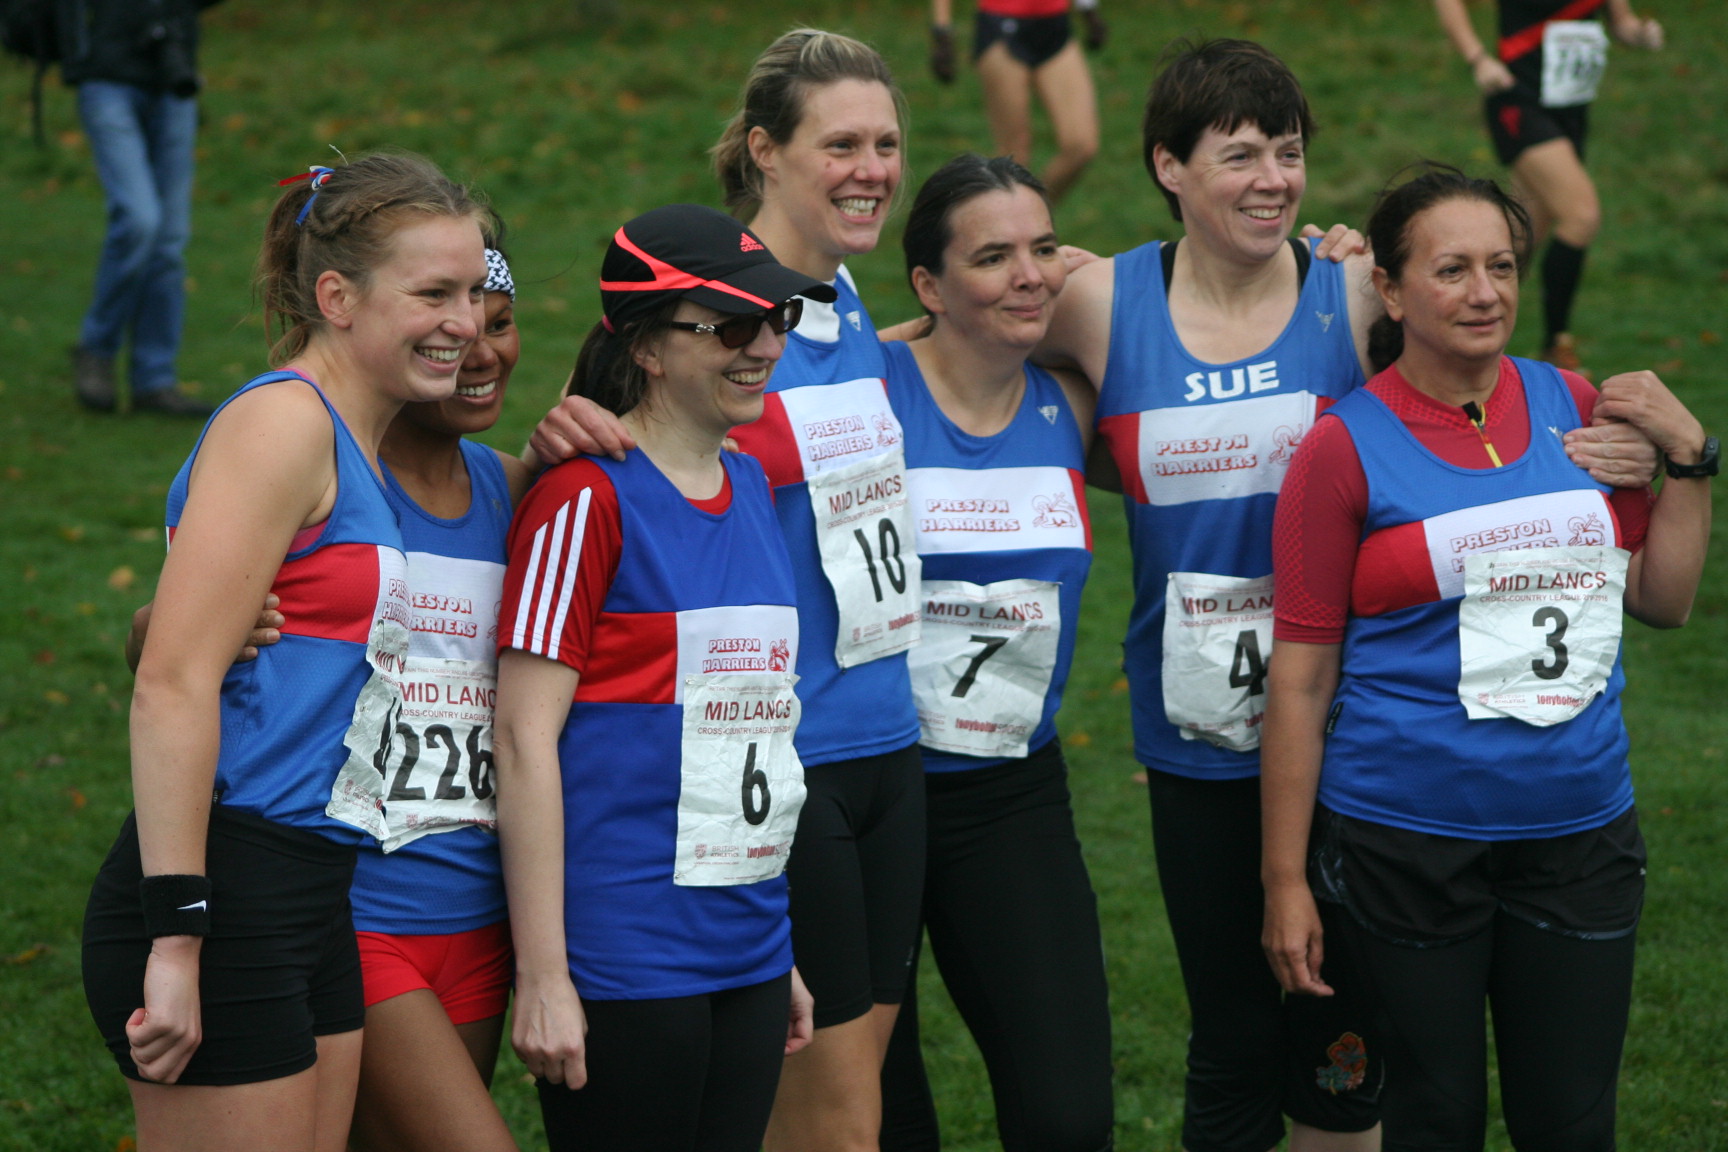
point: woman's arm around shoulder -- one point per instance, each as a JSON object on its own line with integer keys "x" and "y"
{"x": 1663, "y": 577}
{"x": 1079, "y": 335}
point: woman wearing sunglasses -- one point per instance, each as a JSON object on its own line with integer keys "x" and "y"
{"x": 648, "y": 790}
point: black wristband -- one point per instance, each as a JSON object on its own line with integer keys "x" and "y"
{"x": 175, "y": 905}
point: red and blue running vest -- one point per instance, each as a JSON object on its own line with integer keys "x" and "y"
{"x": 1401, "y": 750}
{"x": 865, "y": 710}
{"x": 631, "y": 932}
{"x": 285, "y": 714}
{"x": 1202, "y": 449}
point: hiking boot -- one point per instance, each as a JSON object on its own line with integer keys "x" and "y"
{"x": 93, "y": 379}
{"x": 171, "y": 402}
{"x": 1563, "y": 353}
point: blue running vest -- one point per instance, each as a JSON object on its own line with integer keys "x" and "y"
{"x": 820, "y": 397}
{"x": 1002, "y": 507}
{"x": 452, "y": 881}
{"x": 1203, "y": 449}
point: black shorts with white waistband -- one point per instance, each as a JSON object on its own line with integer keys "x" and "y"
{"x": 279, "y": 968}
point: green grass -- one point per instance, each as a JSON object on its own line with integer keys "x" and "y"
{"x": 572, "y": 117}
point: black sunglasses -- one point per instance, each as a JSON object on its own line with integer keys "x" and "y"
{"x": 740, "y": 330}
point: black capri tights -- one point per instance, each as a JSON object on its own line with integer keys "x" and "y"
{"x": 1014, "y": 928}
{"x": 687, "y": 1074}
{"x": 1559, "y": 1005}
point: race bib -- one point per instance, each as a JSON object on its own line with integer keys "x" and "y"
{"x": 1217, "y": 637}
{"x": 1538, "y": 630}
{"x": 439, "y": 773}
{"x": 1574, "y": 53}
{"x": 983, "y": 668}
{"x": 741, "y": 781}
{"x": 357, "y": 797}
{"x": 864, "y": 532}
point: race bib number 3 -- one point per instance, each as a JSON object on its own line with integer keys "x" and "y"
{"x": 1217, "y": 638}
{"x": 1538, "y": 631}
{"x": 983, "y": 668}
{"x": 1574, "y": 53}
{"x": 742, "y": 783}
{"x": 864, "y": 531}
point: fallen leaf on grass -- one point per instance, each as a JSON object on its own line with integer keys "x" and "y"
{"x": 1080, "y": 740}
{"x": 126, "y": 1144}
{"x": 44, "y": 657}
{"x": 78, "y": 799}
{"x": 122, "y": 578}
{"x": 52, "y": 760}
{"x": 71, "y": 533}
{"x": 28, "y": 954}
{"x": 55, "y": 696}
{"x": 1120, "y": 686}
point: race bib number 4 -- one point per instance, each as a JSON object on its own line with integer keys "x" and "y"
{"x": 357, "y": 797}
{"x": 864, "y": 532}
{"x": 1574, "y": 53}
{"x": 983, "y": 668}
{"x": 742, "y": 783}
{"x": 1217, "y": 638}
{"x": 1538, "y": 631}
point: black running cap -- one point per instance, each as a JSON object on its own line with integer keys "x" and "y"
{"x": 695, "y": 253}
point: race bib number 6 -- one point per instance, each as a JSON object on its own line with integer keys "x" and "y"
{"x": 864, "y": 532}
{"x": 742, "y": 784}
{"x": 1217, "y": 638}
{"x": 1538, "y": 631}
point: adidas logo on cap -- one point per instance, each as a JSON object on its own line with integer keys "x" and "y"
{"x": 748, "y": 243}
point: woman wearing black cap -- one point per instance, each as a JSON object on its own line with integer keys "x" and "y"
{"x": 645, "y": 828}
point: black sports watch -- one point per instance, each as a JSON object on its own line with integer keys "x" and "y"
{"x": 1709, "y": 463}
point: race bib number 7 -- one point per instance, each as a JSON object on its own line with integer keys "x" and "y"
{"x": 869, "y": 554}
{"x": 1538, "y": 631}
{"x": 983, "y": 669}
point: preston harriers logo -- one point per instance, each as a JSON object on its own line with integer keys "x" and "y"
{"x": 779, "y": 655}
{"x": 1055, "y": 512}
{"x": 886, "y": 435}
{"x": 1587, "y": 532}
{"x": 1284, "y": 445}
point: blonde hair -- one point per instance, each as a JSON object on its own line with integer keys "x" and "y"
{"x": 348, "y": 228}
{"x": 773, "y": 100}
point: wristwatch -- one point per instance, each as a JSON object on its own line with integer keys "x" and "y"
{"x": 1709, "y": 462}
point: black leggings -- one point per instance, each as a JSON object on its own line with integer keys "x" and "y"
{"x": 688, "y": 1074}
{"x": 1560, "y": 1005}
{"x": 1014, "y": 928}
{"x": 1254, "y": 1054}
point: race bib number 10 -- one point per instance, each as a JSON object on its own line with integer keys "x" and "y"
{"x": 1217, "y": 638}
{"x": 1538, "y": 631}
{"x": 742, "y": 783}
{"x": 980, "y": 675}
{"x": 869, "y": 554}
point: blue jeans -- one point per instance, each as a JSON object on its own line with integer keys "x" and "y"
{"x": 142, "y": 142}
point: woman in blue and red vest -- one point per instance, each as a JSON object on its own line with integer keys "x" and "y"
{"x": 648, "y": 788}
{"x": 1444, "y": 760}
{"x": 1538, "y": 87}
